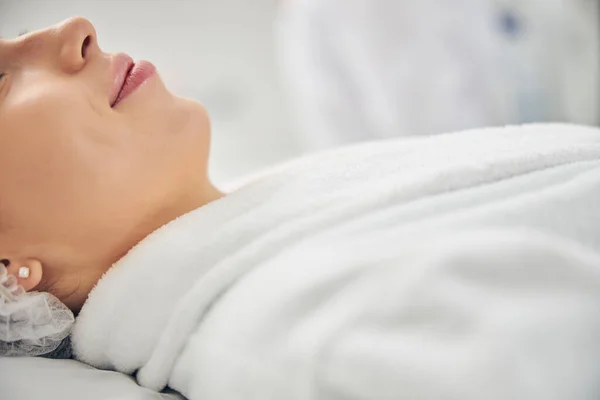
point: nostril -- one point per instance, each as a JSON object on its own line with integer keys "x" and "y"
{"x": 85, "y": 45}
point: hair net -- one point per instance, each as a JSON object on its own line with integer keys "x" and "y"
{"x": 31, "y": 324}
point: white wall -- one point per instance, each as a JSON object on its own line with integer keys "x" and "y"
{"x": 220, "y": 52}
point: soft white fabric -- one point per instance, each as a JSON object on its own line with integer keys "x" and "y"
{"x": 461, "y": 266}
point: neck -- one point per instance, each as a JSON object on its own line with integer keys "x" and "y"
{"x": 74, "y": 289}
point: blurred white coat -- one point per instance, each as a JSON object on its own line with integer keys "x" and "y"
{"x": 366, "y": 69}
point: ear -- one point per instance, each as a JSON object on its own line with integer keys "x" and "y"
{"x": 28, "y": 272}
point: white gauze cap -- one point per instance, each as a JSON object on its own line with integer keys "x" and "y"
{"x": 31, "y": 324}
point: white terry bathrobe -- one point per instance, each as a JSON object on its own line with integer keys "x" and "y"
{"x": 462, "y": 266}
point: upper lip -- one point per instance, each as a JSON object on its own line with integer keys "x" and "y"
{"x": 121, "y": 65}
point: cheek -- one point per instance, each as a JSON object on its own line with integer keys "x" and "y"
{"x": 72, "y": 167}
{"x": 58, "y": 135}
{"x": 56, "y": 150}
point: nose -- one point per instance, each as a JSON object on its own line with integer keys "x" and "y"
{"x": 77, "y": 42}
{"x": 69, "y": 45}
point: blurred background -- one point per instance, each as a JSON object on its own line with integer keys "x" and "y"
{"x": 282, "y": 78}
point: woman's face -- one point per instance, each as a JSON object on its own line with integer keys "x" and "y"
{"x": 78, "y": 176}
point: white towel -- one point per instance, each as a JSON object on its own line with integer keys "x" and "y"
{"x": 462, "y": 266}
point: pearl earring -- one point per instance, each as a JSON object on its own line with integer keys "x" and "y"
{"x": 24, "y": 272}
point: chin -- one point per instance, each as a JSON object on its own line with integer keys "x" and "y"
{"x": 195, "y": 130}
{"x": 199, "y": 120}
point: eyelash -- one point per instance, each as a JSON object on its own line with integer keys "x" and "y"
{"x": 2, "y": 74}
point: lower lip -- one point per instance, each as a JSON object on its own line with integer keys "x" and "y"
{"x": 139, "y": 74}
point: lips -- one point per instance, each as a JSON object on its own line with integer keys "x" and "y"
{"x": 122, "y": 65}
{"x": 128, "y": 76}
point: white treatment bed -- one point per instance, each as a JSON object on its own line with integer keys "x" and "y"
{"x": 40, "y": 378}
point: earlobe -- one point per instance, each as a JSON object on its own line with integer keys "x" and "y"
{"x": 28, "y": 272}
